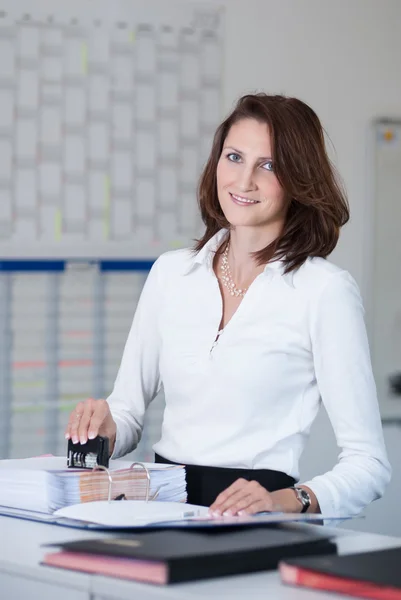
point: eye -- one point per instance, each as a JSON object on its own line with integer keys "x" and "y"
{"x": 234, "y": 157}
{"x": 268, "y": 166}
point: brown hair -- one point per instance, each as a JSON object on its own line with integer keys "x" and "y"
{"x": 318, "y": 206}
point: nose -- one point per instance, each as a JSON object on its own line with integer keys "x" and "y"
{"x": 246, "y": 180}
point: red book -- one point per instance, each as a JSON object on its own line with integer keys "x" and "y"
{"x": 375, "y": 575}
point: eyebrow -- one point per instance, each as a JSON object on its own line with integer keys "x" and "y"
{"x": 261, "y": 158}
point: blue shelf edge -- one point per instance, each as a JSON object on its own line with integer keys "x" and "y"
{"x": 58, "y": 266}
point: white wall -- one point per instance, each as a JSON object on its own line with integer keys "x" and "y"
{"x": 343, "y": 57}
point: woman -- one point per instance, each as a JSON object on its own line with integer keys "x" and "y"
{"x": 252, "y": 329}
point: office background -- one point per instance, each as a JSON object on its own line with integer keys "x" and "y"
{"x": 344, "y": 59}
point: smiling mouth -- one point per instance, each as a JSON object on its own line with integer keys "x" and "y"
{"x": 243, "y": 201}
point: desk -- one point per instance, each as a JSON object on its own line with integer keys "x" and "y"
{"x": 21, "y": 575}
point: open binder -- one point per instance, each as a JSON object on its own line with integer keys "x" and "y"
{"x": 125, "y": 495}
{"x": 45, "y": 485}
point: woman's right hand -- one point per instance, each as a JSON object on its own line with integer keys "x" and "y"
{"x": 90, "y": 419}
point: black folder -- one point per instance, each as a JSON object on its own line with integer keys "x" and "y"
{"x": 190, "y": 555}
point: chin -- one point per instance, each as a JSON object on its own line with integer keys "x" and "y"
{"x": 241, "y": 220}
{"x": 242, "y": 223}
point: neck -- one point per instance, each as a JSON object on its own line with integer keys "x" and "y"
{"x": 243, "y": 242}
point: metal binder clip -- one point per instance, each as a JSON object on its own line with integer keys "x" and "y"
{"x": 139, "y": 464}
{"x": 102, "y": 468}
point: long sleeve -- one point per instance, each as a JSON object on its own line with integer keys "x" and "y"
{"x": 347, "y": 388}
{"x": 138, "y": 379}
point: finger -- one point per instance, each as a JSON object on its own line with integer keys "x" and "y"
{"x": 98, "y": 417}
{"x": 223, "y": 496}
{"x": 255, "y": 507}
{"x": 235, "y": 496}
{"x": 243, "y": 506}
{"x": 248, "y": 494}
{"x": 75, "y": 418}
{"x": 67, "y": 432}
{"x": 89, "y": 408}
{"x": 233, "y": 500}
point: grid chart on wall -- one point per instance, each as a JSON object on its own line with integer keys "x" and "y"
{"x": 107, "y": 111}
{"x": 105, "y": 124}
{"x": 63, "y": 327}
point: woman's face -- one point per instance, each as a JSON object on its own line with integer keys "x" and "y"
{"x": 248, "y": 190}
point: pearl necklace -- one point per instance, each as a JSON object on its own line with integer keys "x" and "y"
{"x": 226, "y": 277}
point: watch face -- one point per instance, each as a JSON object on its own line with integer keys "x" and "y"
{"x": 305, "y": 494}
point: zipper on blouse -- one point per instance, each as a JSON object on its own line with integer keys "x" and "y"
{"x": 216, "y": 341}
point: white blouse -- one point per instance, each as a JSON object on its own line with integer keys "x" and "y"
{"x": 249, "y": 399}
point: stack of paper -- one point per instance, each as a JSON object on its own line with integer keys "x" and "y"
{"x": 46, "y": 485}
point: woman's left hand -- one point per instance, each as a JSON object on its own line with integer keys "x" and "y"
{"x": 243, "y": 498}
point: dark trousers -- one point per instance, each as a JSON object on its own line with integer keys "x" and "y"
{"x": 204, "y": 484}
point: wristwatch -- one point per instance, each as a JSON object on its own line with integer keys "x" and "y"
{"x": 303, "y": 497}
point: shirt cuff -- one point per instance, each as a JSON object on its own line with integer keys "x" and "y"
{"x": 325, "y": 498}
{"x": 122, "y": 437}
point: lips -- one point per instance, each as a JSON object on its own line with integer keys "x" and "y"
{"x": 242, "y": 201}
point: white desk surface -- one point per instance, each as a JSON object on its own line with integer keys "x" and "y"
{"x": 20, "y": 555}
{"x": 21, "y": 552}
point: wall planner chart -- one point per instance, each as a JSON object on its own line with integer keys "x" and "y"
{"x": 106, "y": 115}
{"x": 107, "y": 111}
